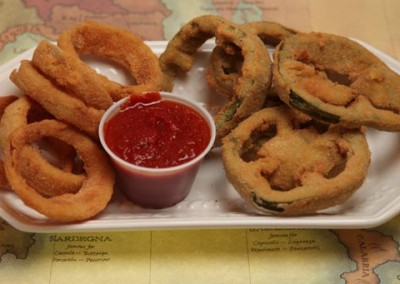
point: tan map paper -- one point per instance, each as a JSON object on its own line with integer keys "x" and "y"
{"x": 201, "y": 256}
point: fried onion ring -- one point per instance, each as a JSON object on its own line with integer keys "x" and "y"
{"x": 282, "y": 168}
{"x": 4, "y": 184}
{"x": 120, "y": 46}
{"x": 250, "y": 88}
{"x": 14, "y": 116}
{"x": 72, "y": 74}
{"x": 336, "y": 80}
{"x": 50, "y": 178}
{"x": 96, "y": 191}
{"x": 56, "y": 101}
{"x": 47, "y": 179}
{"x": 5, "y": 101}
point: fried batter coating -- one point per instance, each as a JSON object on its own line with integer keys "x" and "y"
{"x": 224, "y": 68}
{"x": 96, "y": 190}
{"x": 56, "y": 101}
{"x": 71, "y": 74}
{"x": 4, "y": 184}
{"x": 5, "y": 101}
{"x": 120, "y": 46}
{"x": 178, "y": 55}
{"x": 336, "y": 80}
{"x": 49, "y": 178}
{"x": 13, "y": 114}
{"x": 282, "y": 167}
{"x": 271, "y": 33}
{"x": 222, "y": 71}
{"x": 250, "y": 88}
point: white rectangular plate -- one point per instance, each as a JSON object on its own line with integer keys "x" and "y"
{"x": 213, "y": 202}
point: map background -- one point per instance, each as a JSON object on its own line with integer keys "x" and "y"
{"x": 201, "y": 256}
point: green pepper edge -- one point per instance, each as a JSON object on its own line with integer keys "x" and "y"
{"x": 270, "y": 205}
{"x": 231, "y": 110}
{"x": 228, "y": 70}
{"x": 298, "y": 102}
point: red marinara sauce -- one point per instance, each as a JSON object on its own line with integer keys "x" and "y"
{"x": 155, "y": 133}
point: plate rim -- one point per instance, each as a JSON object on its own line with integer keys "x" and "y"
{"x": 318, "y": 221}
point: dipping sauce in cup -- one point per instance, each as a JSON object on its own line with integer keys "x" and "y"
{"x": 156, "y": 142}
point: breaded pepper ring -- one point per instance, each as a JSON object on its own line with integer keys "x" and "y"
{"x": 336, "y": 80}
{"x": 55, "y": 100}
{"x": 270, "y": 33}
{"x": 224, "y": 68}
{"x": 178, "y": 55}
{"x": 120, "y": 46}
{"x": 49, "y": 179}
{"x": 71, "y": 74}
{"x": 92, "y": 197}
{"x": 282, "y": 168}
{"x": 222, "y": 71}
{"x": 250, "y": 88}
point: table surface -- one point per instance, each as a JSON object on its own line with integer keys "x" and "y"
{"x": 201, "y": 256}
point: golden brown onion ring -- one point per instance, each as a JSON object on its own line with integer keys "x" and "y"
{"x": 50, "y": 178}
{"x": 71, "y": 74}
{"x": 250, "y": 88}
{"x": 282, "y": 168}
{"x": 14, "y": 115}
{"x": 47, "y": 179}
{"x": 5, "y": 101}
{"x": 56, "y": 101}
{"x": 120, "y": 46}
{"x": 336, "y": 80}
{"x": 96, "y": 191}
{"x": 4, "y": 184}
